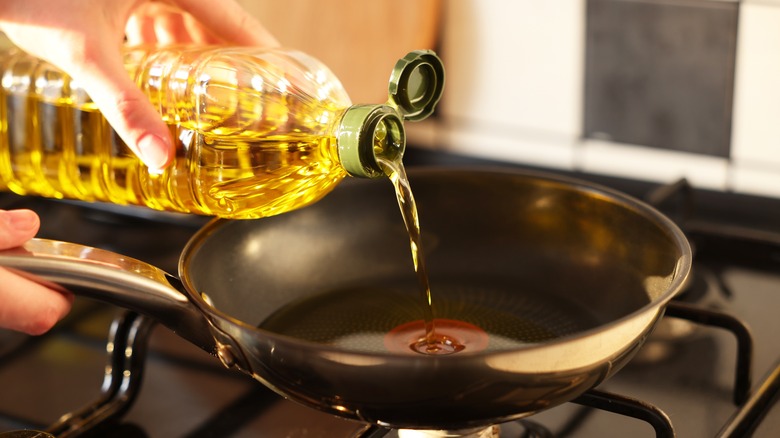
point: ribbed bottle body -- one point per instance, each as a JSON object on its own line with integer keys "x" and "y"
{"x": 254, "y": 132}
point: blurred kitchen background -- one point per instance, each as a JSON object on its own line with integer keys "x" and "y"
{"x": 651, "y": 90}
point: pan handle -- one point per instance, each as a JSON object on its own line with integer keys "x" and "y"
{"x": 112, "y": 278}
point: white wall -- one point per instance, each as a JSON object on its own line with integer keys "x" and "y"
{"x": 515, "y": 74}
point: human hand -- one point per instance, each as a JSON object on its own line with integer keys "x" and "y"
{"x": 84, "y": 38}
{"x": 25, "y": 305}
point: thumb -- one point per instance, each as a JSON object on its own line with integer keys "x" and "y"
{"x": 17, "y": 227}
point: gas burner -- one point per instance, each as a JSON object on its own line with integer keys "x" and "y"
{"x": 489, "y": 432}
{"x": 512, "y": 429}
{"x": 26, "y": 434}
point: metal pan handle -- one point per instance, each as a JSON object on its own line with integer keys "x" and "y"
{"x": 112, "y": 278}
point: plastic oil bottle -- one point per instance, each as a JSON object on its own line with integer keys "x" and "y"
{"x": 258, "y": 132}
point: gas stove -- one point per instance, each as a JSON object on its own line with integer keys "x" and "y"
{"x": 711, "y": 368}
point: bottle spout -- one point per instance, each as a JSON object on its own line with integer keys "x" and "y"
{"x": 367, "y": 132}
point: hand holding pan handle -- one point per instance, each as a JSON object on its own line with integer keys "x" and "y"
{"x": 115, "y": 279}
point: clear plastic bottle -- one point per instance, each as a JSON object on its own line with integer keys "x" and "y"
{"x": 258, "y": 132}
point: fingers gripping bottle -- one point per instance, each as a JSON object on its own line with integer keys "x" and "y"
{"x": 258, "y": 132}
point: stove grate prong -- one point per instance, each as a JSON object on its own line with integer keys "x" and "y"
{"x": 126, "y": 348}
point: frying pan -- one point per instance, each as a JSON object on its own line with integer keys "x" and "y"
{"x": 565, "y": 278}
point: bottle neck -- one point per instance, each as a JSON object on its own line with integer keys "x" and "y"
{"x": 366, "y": 133}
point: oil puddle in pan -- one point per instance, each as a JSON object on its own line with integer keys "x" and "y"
{"x": 480, "y": 316}
{"x": 450, "y": 336}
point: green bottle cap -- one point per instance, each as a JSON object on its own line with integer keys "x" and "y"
{"x": 368, "y": 134}
{"x": 416, "y": 84}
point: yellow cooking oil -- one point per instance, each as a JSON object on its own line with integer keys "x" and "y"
{"x": 61, "y": 147}
{"x": 71, "y": 152}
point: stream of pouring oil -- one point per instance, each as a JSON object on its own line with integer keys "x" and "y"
{"x": 437, "y": 338}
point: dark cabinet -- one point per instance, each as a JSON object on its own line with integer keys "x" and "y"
{"x": 661, "y": 73}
